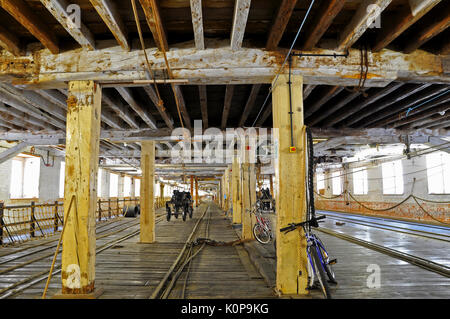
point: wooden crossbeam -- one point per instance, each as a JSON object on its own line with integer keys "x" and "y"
{"x": 307, "y": 90}
{"x": 108, "y": 12}
{"x": 391, "y": 99}
{"x": 263, "y": 117}
{"x": 402, "y": 21}
{"x": 11, "y": 113}
{"x": 153, "y": 19}
{"x": 120, "y": 110}
{"x": 227, "y": 105}
{"x": 440, "y": 22}
{"x": 197, "y": 23}
{"x": 279, "y": 23}
{"x": 127, "y": 95}
{"x": 204, "y": 105}
{"x": 55, "y": 97}
{"x": 424, "y": 115}
{"x": 326, "y": 13}
{"x": 13, "y": 151}
{"x": 22, "y": 12}
{"x": 81, "y": 34}
{"x": 367, "y": 11}
{"x": 220, "y": 65}
{"x": 250, "y": 104}
{"x": 241, "y": 10}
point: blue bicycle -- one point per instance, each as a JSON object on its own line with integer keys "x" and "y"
{"x": 319, "y": 260}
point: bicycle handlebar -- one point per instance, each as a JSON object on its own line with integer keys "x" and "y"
{"x": 293, "y": 226}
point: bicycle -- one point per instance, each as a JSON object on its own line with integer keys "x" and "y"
{"x": 261, "y": 230}
{"x": 319, "y": 260}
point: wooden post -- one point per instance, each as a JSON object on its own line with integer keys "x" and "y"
{"x": 237, "y": 201}
{"x": 82, "y": 150}
{"x": 161, "y": 193}
{"x": 196, "y": 191}
{"x": 248, "y": 193}
{"x": 2, "y": 205}
{"x": 99, "y": 210}
{"x": 109, "y": 208}
{"x": 290, "y": 184}
{"x": 118, "y": 207}
{"x": 147, "y": 234}
{"x": 32, "y": 221}
{"x": 192, "y": 186}
{"x": 271, "y": 185}
{"x": 55, "y": 215}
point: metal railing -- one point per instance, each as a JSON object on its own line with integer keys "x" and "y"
{"x": 20, "y": 223}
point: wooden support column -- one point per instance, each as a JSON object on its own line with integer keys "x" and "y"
{"x": 196, "y": 191}
{"x": 80, "y": 187}
{"x": 237, "y": 201}
{"x": 248, "y": 193}
{"x": 192, "y": 186}
{"x": 290, "y": 185}
{"x": 147, "y": 196}
{"x": 161, "y": 192}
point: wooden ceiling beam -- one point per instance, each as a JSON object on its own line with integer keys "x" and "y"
{"x": 334, "y": 108}
{"x": 440, "y": 22}
{"x": 423, "y": 116}
{"x": 182, "y": 105}
{"x": 267, "y": 112}
{"x": 55, "y": 97}
{"x": 127, "y": 95}
{"x": 22, "y": 12}
{"x": 369, "y": 100}
{"x": 10, "y": 42}
{"x": 197, "y": 23}
{"x": 330, "y": 92}
{"x": 81, "y": 34}
{"x": 250, "y": 104}
{"x": 154, "y": 21}
{"x": 14, "y": 113}
{"x": 364, "y": 16}
{"x": 227, "y": 105}
{"x": 204, "y": 105}
{"x": 307, "y": 90}
{"x": 280, "y": 23}
{"x": 385, "y": 117}
{"x": 241, "y": 10}
{"x": 326, "y": 13}
{"x": 107, "y": 10}
{"x": 395, "y": 97}
{"x": 150, "y": 91}
{"x": 402, "y": 21}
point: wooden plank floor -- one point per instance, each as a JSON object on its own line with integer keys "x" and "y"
{"x": 133, "y": 270}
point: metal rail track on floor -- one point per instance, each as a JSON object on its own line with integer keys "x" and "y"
{"x": 415, "y": 260}
{"x": 36, "y": 278}
{"x": 397, "y": 229}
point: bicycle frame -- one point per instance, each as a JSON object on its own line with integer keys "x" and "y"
{"x": 313, "y": 241}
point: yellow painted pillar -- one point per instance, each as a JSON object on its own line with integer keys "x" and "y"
{"x": 192, "y": 186}
{"x": 161, "y": 193}
{"x": 237, "y": 201}
{"x": 225, "y": 189}
{"x": 290, "y": 187}
{"x": 80, "y": 187}
{"x": 248, "y": 193}
{"x": 271, "y": 185}
{"x": 147, "y": 234}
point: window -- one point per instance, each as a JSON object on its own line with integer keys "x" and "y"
{"x": 62, "y": 173}
{"x": 113, "y": 185}
{"x": 25, "y": 177}
{"x": 137, "y": 187}
{"x": 392, "y": 178}
{"x": 320, "y": 181}
{"x": 360, "y": 186}
{"x": 99, "y": 182}
{"x": 336, "y": 183}
{"x": 438, "y": 173}
{"x": 126, "y": 186}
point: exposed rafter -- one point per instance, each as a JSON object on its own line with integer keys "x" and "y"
{"x": 402, "y": 21}
{"x": 250, "y": 104}
{"x": 22, "y": 12}
{"x": 280, "y": 23}
{"x": 329, "y": 93}
{"x": 204, "y": 105}
{"x": 154, "y": 21}
{"x": 108, "y": 12}
{"x": 10, "y": 42}
{"x": 127, "y": 95}
{"x": 197, "y": 23}
{"x": 241, "y": 9}
{"x": 81, "y": 34}
{"x": 159, "y": 106}
{"x": 227, "y": 105}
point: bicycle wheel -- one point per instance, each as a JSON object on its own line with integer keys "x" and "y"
{"x": 320, "y": 273}
{"x": 328, "y": 269}
{"x": 261, "y": 234}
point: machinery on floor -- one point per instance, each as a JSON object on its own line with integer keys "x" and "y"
{"x": 180, "y": 203}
